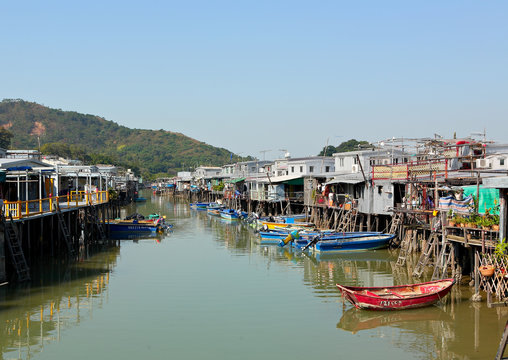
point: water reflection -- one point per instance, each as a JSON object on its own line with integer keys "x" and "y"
{"x": 60, "y": 297}
{"x": 35, "y": 316}
{"x": 453, "y": 329}
{"x": 354, "y": 320}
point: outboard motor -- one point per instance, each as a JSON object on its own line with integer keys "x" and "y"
{"x": 291, "y": 237}
{"x": 313, "y": 242}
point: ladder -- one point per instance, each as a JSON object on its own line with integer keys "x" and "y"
{"x": 65, "y": 231}
{"x": 443, "y": 261}
{"x": 97, "y": 222}
{"x": 345, "y": 221}
{"x": 404, "y": 248}
{"x": 14, "y": 245}
{"x": 424, "y": 258}
{"x": 396, "y": 221}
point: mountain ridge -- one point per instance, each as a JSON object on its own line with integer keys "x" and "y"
{"x": 152, "y": 152}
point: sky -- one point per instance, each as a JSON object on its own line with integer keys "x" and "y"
{"x": 261, "y": 77}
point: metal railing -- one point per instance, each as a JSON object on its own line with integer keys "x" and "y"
{"x": 23, "y": 209}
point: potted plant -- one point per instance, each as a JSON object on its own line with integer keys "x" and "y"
{"x": 495, "y": 222}
{"x": 450, "y": 218}
{"x": 485, "y": 223}
{"x": 500, "y": 251}
{"x": 460, "y": 221}
{"x": 471, "y": 221}
{"x": 487, "y": 270}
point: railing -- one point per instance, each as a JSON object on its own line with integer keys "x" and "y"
{"x": 414, "y": 169}
{"x": 22, "y": 209}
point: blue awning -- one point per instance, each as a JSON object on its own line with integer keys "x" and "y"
{"x": 19, "y": 168}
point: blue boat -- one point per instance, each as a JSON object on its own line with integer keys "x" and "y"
{"x": 199, "y": 205}
{"x": 359, "y": 243}
{"x": 134, "y": 226}
{"x": 214, "y": 209}
{"x": 229, "y": 214}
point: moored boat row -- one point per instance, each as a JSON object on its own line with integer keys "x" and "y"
{"x": 305, "y": 237}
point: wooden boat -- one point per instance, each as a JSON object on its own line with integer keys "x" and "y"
{"x": 397, "y": 297}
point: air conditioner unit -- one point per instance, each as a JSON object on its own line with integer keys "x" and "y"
{"x": 355, "y": 168}
{"x": 483, "y": 163}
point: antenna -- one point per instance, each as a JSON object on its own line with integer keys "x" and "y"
{"x": 264, "y": 152}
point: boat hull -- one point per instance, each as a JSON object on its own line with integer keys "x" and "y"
{"x": 132, "y": 227}
{"x": 229, "y": 214}
{"x": 397, "y": 297}
{"x": 371, "y": 242}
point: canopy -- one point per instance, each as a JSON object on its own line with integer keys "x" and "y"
{"x": 339, "y": 180}
{"x": 234, "y": 181}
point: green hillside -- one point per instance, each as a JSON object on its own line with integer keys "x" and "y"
{"x": 94, "y": 139}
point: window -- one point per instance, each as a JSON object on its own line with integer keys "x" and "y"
{"x": 501, "y": 162}
{"x": 355, "y": 160}
{"x": 292, "y": 169}
{"x": 311, "y": 168}
{"x": 341, "y": 160}
{"x": 372, "y": 162}
{"x": 327, "y": 169}
{"x": 301, "y": 169}
{"x": 253, "y": 168}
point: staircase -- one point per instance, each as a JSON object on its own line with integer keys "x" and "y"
{"x": 65, "y": 232}
{"x": 17, "y": 256}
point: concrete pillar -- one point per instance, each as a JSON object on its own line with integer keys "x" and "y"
{"x": 503, "y": 202}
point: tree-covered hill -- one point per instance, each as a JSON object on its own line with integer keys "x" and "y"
{"x": 94, "y": 139}
{"x": 346, "y": 146}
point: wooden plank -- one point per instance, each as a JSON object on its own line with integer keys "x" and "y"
{"x": 502, "y": 343}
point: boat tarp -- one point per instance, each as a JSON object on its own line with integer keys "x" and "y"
{"x": 489, "y": 199}
{"x": 459, "y": 206}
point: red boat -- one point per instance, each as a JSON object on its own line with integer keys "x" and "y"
{"x": 397, "y": 297}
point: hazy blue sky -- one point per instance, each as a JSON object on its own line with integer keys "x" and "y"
{"x": 258, "y": 75}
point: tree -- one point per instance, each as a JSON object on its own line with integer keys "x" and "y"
{"x": 350, "y": 145}
{"x": 5, "y": 138}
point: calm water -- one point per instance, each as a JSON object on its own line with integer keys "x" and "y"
{"x": 210, "y": 291}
